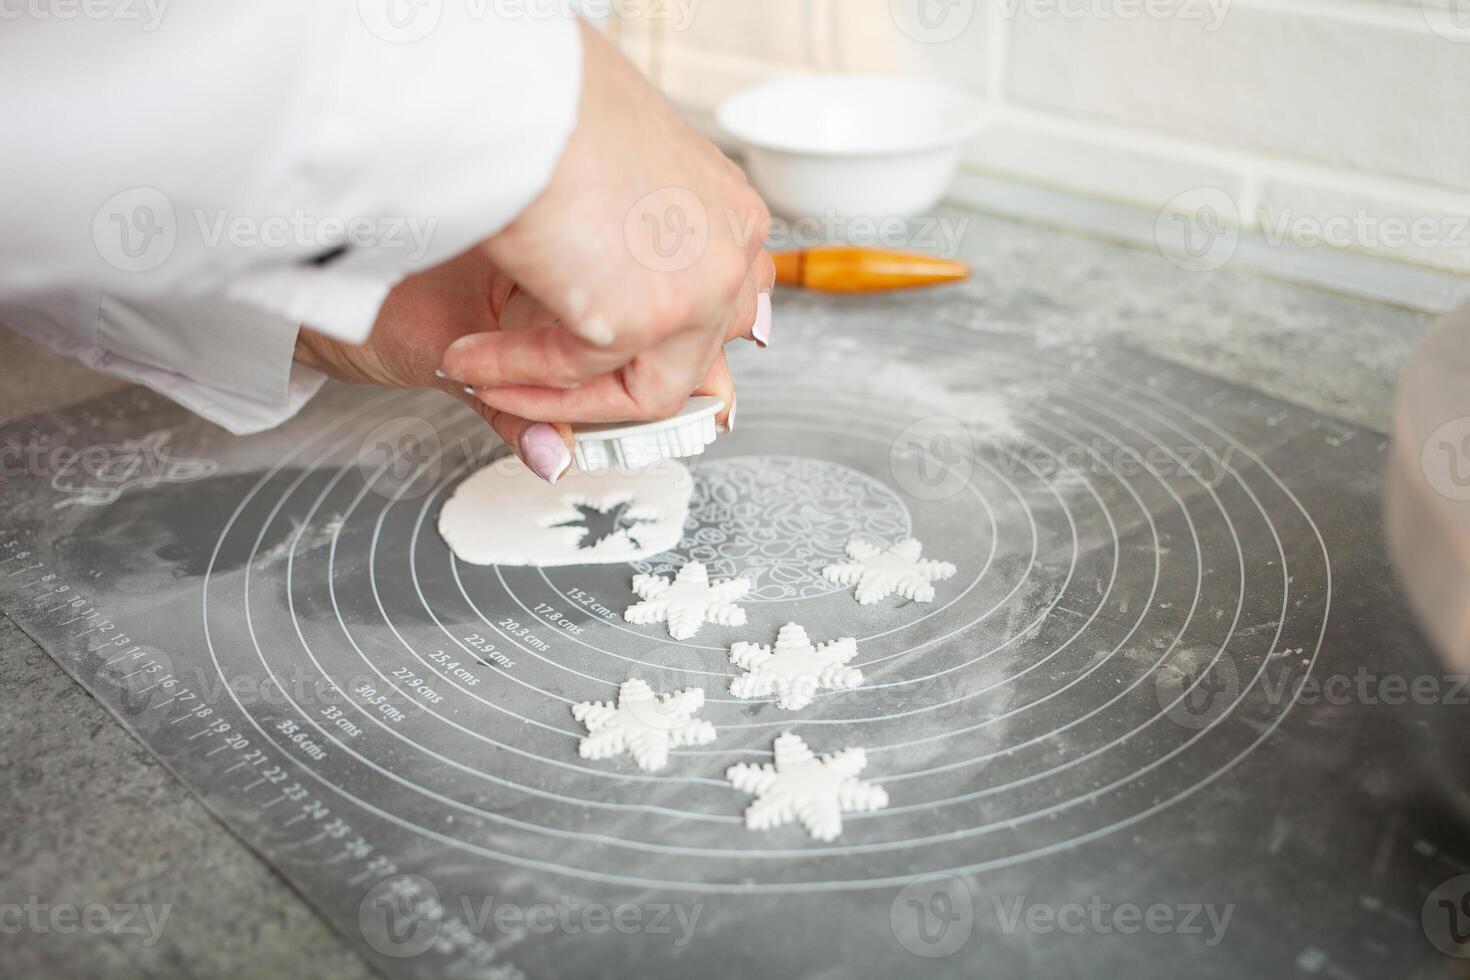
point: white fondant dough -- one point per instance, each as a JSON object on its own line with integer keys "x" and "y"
{"x": 879, "y": 573}
{"x": 795, "y": 669}
{"x": 801, "y": 786}
{"x": 688, "y": 602}
{"x": 642, "y": 723}
{"x": 505, "y": 515}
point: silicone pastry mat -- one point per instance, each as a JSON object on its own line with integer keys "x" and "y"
{"x": 1098, "y": 711}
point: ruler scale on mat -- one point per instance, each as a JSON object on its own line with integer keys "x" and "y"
{"x": 1099, "y": 711}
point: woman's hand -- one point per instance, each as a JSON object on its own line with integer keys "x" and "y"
{"x": 610, "y": 298}
{"x": 641, "y": 258}
{"x": 425, "y": 314}
{"x": 421, "y": 317}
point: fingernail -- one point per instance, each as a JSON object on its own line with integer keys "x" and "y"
{"x": 544, "y": 451}
{"x": 730, "y": 419}
{"x": 440, "y": 375}
{"x": 469, "y": 391}
{"x": 594, "y": 330}
{"x": 454, "y": 350}
{"x": 764, "y": 320}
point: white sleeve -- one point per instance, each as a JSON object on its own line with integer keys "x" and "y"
{"x": 224, "y": 360}
{"x": 177, "y": 147}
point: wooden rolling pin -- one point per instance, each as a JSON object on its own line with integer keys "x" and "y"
{"x": 864, "y": 270}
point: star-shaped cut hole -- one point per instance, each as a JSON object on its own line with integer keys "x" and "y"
{"x": 879, "y": 573}
{"x": 800, "y": 786}
{"x": 642, "y": 723}
{"x": 600, "y": 523}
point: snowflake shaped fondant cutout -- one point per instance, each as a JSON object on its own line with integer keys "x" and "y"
{"x": 688, "y": 602}
{"x": 795, "y": 669}
{"x": 880, "y": 573}
{"x": 800, "y": 786}
{"x": 642, "y": 723}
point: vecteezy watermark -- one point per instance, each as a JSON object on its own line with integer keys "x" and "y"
{"x": 933, "y": 458}
{"x": 137, "y": 230}
{"x": 1445, "y": 917}
{"x": 934, "y": 917}
{"x": 38, "y": 916}
{"x": 668, "y": 230}
{"x": 401, "y": 21}
{"x": 401, "y": 459}
{"x": 1099, "y": 916}
{"x": 406, "y": 916}
{"x": 1210, "y": 13}
{"x": 1198, "y": 694}
{"x": 407, "y": 21}
{"x": 313, "y": 232}
{"x": 1450, "y": 19}
{"x": 95, "y": 461}
{"x": 940, "y": 235}
{"x": 932, "y": 21}
{"x": 1101, "y": 457}
{"x": 148, "y": 14}
{"x": 1445, "y": 458}
{"x": 1199, "y": 229}
{"x": 676, "y": 15}
{"x": 1361, "y": 229}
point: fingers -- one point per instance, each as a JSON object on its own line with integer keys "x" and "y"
{"x": 720, "y": 384}
{"x": 548, "y": 355}
{"x": 603, "y": 399}
{"x": 532, "y": 348}
{"x": 545, "y": 448}
{"x": 752, "y": 319}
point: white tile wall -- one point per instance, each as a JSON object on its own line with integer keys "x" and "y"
{"x": 1381, "y": 95}
{"x": 1349, "y": 116}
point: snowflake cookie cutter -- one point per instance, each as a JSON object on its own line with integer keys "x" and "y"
{"x": 635, "y": 445}
{"x": 794, "y": 669}
{"x": 879, "y": 573}
{"x": 815, "y": 791}
{"x": 644, "y": 724}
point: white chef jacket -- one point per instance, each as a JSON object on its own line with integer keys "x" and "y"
{"x": 184, "y": 182}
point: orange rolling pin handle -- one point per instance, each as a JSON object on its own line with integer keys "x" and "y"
{"x": 864, "y": 270}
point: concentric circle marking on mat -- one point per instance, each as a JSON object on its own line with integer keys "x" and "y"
{"x": 1024, "y": 733}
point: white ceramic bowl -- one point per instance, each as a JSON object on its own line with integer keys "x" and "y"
{"x": 851, "y": 145}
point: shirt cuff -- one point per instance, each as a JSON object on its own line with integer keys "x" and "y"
{"x": 225, "y": 361}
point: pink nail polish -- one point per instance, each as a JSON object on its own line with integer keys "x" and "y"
{"x": 544, "y": 452}
{"x": 764, "y": 320}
